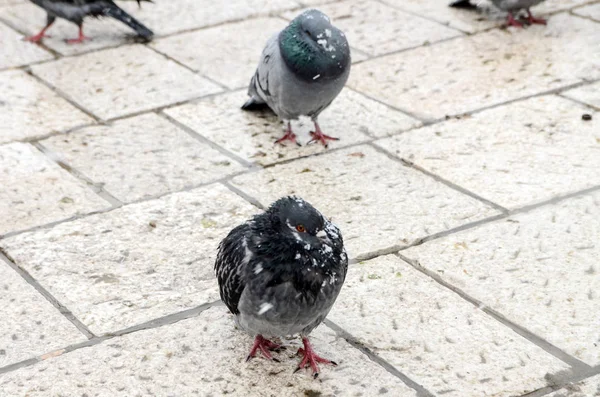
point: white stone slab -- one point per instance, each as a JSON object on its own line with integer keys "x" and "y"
{"x": 141, "y": 157}
{"x": 122, "y": 81}
{"x": 589, "y": 94}
{"x": 473, "y": 72}
{"x": 16, "y": 52}
{"x": 201, "y": 356}
{"x": 586, "y": 388}
{"x": 435, "y": 337}
{"x": 376, "y": 201}
{"x": 522, "y": 153}
{"x": 36, "y": 191}
{"x": 136, "y": 263}
{"x": 590, "y": 11}
{"x": 29, "y": 109}
{"x": 539, "y": 269}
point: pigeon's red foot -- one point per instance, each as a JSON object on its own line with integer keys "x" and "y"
{"x": 263, "y": 345}
{"x": 289, "y": 136}
{"x": 311, "y": 358}
{"x": 511, "y": 21}
{"x": 37, "y": 38}
{"x": 80, "y": 39}
{"x": 318, "y": 136}
{"x": 533, "y": 20}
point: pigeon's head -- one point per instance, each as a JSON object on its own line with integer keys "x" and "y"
{"x": 302, "y": 226}
{"x": 313, "y": 48}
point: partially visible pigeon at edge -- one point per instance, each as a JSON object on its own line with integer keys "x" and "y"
{"x": 510, "y": 6}
{"x": 77, "y": 10}
{"x": 301, "y": 71}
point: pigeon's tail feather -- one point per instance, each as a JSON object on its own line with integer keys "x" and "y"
{"x": 463, "y": 4}
{"x": 254, "y": 104}
{"x": 119, "y": 14}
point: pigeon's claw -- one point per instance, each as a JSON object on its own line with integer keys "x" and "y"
{"x": 310, "y": 358}
{"x": 289, "y": 136}
{"x": 37, "y": 38}
{"x": 533, "y": 20}
{"x": 80, "y": 39}
{"x": 318, "y": 136}
{"x": 511, "y": 21}
{"x": 263, "y": 345}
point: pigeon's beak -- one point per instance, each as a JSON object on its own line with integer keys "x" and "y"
{"x": 324, "y": 238}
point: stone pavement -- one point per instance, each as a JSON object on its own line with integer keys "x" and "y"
{"x": 466, "y": 183}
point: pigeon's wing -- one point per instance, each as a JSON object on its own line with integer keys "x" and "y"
{"x": 260, "y": 88}
{"x": 232, "y": 259}
{"x": 463, "y": 4}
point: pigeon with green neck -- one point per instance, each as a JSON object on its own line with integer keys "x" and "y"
{"x": 302, "y": 70}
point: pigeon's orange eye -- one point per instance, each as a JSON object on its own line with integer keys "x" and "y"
{"x": 300, "y": 228}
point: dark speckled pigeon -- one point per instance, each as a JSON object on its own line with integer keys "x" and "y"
{"x": 302, "y": 70}
{"x": 280, "y": 273}
{"x": 76, "y": 10}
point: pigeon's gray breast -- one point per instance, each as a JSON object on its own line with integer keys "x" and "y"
{"x": 287, "y": 95}
{"x": 514, "y": 5}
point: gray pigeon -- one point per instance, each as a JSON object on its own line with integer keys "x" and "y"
{"x": 301, "y": 71}
{"x": 76, "y": 10}
{"x": 511, "y": 6}
{"x": 280, "y": 273}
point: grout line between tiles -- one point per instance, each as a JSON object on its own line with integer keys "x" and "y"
{"x": 576, "y": 364}
{"x": 244, "y": 195}
{"x": 586, "y": 105}
{"x": 46, "y": 294}
{"x": 439, "y": 178}
{"x": 340, "y": 332}
{"x": 97, "y": 188}
{"x": 564, "y": 383}
{"x": 95, "y": 340}
{"x": 52, "y": 52}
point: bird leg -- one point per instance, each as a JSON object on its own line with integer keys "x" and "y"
{"x": 311, "y": 358}
{"x": 533, "y": 20}
{"x": 263, "y": 345}
{"x": 81, "y": 38}
{"x": 38, "y": 37}
{"x": 318, "y": 136}
{"x": 511, "y": 21}
{"x": 289, "y": 136}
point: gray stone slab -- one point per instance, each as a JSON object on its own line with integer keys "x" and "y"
{"x": 136, "y": 263}
{"x": 141, "y": 157}
{"x": 513, "y": 155}
{"x": 435, "y": 337}
{"x": 125, "y": 80}
{"x": 31, "y": 326}
{"x": 376, "y": 201}
{"x": 201, "y": 356}
{"x": 29, "y": 109}
{"x": 486, "y": 69}
{"x": 539, "y": 269}
{"x": 36, "y": 191}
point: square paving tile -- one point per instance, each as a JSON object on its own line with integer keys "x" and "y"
{"x": 376, "y": 201}
{"x": 513, "y": 155}
{"x": 34, "y": 326}
{"x": 252, "y": 135}
{"x": 435, "y": 337}
{"x": 141, "y": 157}
{"x": 29, "y": 109}
{"x": 590, "y": 11}
{"x": 227, "y": 53}
{"x": 589, "y": 94}
{"x": 206, "y": 355}
{"x": 16, "y": 52}
{"x": 586, "y": 388}
{"x": 485, "y": 69}
{"x": 136, "y": 263}
{"x": 167, "y": 17}
{"x": 105, "y": 32}
{"x": 36, "y": 191}
{"x": 374, "y": 27}
{"x": 125, "y": 80}
{"x": 539, "y": 269}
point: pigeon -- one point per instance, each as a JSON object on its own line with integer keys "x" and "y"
{"x": 76, "y": 10}
{"x": 302, "y": 70}
{"x": 280, "y": 273}
{"x": 511, "y": 6}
